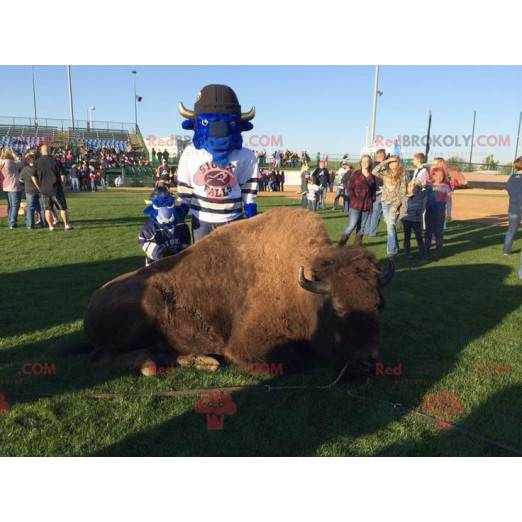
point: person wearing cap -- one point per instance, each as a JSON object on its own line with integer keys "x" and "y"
{"x": 163, "y": 174}
{"x": 217, "y": 176}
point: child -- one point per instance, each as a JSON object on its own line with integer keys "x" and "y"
{"x": 437, "y": 196}
{"x": 412, "y": 210}
{"x": 93, "y": 177}
{"x": 312, "y": 193}
{"x": 514, "y": 188}
{"x": 163, "y": 234}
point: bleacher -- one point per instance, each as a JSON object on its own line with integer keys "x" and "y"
{"x": 98, "y": 138}
{"x": 21, "y": 137}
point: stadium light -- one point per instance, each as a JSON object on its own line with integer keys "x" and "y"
{"x": 69, "y": 84}
{"x": 472, "y": 139}
{"x": 34, "y": 99}
{"x": 136, "y": 100}
{"x": 376, "y": 94}
{"x": 92, "y": 108}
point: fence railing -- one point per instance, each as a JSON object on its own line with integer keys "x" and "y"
{"x": 63, "y": 124}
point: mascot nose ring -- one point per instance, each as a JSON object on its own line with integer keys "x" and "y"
{"x": 218, "y": 129}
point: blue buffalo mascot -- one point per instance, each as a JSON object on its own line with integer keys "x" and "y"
{"x": 217, "y": 176}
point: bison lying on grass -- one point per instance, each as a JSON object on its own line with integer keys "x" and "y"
{"x": 243, "y": 293}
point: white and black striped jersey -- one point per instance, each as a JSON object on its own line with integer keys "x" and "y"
{"x": 215, "y": 194}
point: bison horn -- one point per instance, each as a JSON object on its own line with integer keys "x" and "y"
{"x": 247, "y": 116}
{"x": 387, "y": 276}
{"x": 317, "y": 287}
{"x": 185, "y": 112}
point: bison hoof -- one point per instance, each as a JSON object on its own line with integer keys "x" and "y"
{"x": 200, "y": 362}
{"x": 148, "y": 368}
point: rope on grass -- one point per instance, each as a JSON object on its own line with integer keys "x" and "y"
{"x": 269, "y": 388}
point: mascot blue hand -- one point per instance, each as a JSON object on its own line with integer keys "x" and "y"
{"x": 181, "y": 212}
{"x": 250, "y": 210}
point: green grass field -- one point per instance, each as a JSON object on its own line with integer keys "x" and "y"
{"x": 454, "y": 326}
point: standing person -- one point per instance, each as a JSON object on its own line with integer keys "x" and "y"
{"x": 282, "y": 180}
{"x": 339, "y": 185}
{"x": 159, "y": 155}
{"x": 440, "y": 162}
{"x": 514, "y": 189}
{"x": 420, "y": 174}
{"x": 437, "y": 196}
{"x": 93, "y": 177}
{"x": 153, "y": 155}
{"x": 412, "y": 212}
{"x": 361, "y": 190}
{"x": 32, "y": 196}
{"x": 373, "y": 223}
{"x": 10, "y": 167}
{"x": 305, "y": 174}
{"x": 393, "y": 191}
{"x": 166, "y": 155}
{"x": 48, "y": 181}
{"x": 74, "y": 174}
{"x": 331, "y": 180}
{"x": 312, "y": 193}
{"x": 321, "y": 173}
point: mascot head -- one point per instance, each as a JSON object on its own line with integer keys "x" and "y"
{"x": 163, "y": 209}
{"x": 217, "y": 122}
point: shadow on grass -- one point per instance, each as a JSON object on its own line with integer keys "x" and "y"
{"x": 425, "y": 326}
{"x": 45, "y": 297}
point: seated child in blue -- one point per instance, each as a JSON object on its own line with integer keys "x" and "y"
{"x": 165, "y": 233}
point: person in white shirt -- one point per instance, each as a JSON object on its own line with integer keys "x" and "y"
{"x": 312, "y": 193}
{"x": 217, "y": 176}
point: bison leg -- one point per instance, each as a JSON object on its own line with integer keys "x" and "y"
{"x": 200, "y": 362}
{"x": 141, "y": 360}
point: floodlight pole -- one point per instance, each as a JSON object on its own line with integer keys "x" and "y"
{"x": 134, "y": 72}
{"x": 34, "y": 99}
{"x": 374, "y": 107}
{"x": 472, "y": 139}
{"x": 518, "y": 137}
{"x": 69, "y": 84}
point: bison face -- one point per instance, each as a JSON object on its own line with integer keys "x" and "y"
{"x": 350, "y": 281}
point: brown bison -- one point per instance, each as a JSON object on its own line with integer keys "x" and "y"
{"x": 243, "y": 293}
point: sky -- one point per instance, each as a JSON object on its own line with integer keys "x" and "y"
{"x": 317, "y": 108}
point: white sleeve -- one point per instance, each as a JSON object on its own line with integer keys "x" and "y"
{"x": 247, "y": 180}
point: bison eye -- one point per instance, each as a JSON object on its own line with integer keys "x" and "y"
{"x": 204, "y": 122}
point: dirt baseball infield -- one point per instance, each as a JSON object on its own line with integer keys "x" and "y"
{"x": 480, "y": 205}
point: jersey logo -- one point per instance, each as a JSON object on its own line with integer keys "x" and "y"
{"x": 218, "y": 182}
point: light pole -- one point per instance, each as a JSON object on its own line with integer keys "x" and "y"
{"x": 34, "y": 99}
{"x": 69, "y": 84}
{"x": 518, "y": 137}
{"x": 472, "y": 139}
{"x": 134, "y": 72}
{"x": 376, "y": 94}
{"x": 92, "y": 108}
